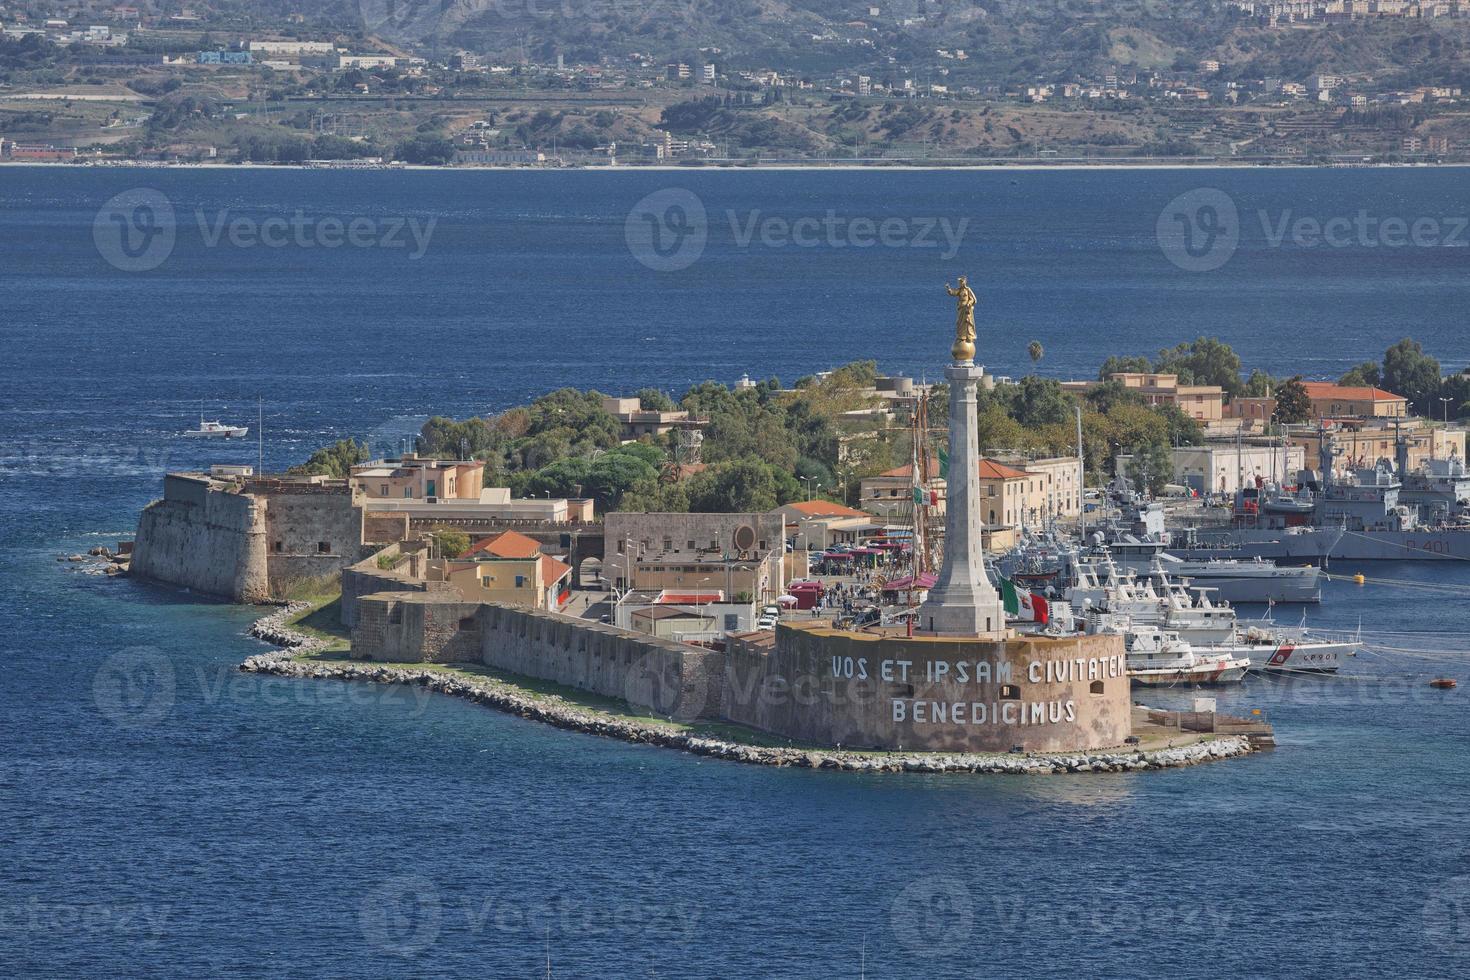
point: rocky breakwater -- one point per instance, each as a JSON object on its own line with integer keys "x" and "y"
{"x": 552, "y": 710}
{"x": 274, "y": 630}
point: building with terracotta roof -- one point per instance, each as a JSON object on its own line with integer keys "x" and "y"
{"x": 890, "y": 494}
{"x": 508, "y": 544}
{"x": 508, "y": 568}
{"x": 816, "y": 525}
{"x": 1331, "y": 401}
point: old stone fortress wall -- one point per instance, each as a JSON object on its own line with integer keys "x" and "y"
{"x": 806, "y": 682}
{"x": 965, "y": 683}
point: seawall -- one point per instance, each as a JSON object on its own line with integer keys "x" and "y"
{"x": 667, "y": 677}
{"x": 561, "y": 714}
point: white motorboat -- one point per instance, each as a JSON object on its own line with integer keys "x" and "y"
{"x": 1161, "y": 658}
{"x": 215, "y": 429}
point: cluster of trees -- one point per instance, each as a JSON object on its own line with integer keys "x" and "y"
{"x": 1406, "y": 370}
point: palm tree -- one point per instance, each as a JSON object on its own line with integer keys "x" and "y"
{"x": 1036, "y": 351}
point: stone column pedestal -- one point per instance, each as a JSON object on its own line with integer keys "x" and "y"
{"x": 963, "y": 602}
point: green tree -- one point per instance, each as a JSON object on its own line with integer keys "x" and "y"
{"x": 1366, "y": 375}
{"x": 1035, "y": 351}
{"x": 1116, "y": 364}
{"x": 653, "y": 400}
{"x": 1293, "y": 404}
{"x": 450, "y": 543}
{"x": 734, "y": 486}
{"x": 335, "y": 460}
{"x": 1041, "y": 401}
{"x": 1150, "y": 468}
{"x": 1410, "y": 372}
{"x": 1206, "y": 361}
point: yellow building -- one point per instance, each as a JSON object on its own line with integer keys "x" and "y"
{"x": 508, "y": 568}
{"x": 413, "y": 478}
{"x": 1203, "y": 403}
{"x": 1365, "y": 443}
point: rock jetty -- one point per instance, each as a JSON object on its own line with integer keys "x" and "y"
{"x": 566, "y": 715}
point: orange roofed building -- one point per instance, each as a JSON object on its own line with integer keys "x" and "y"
{"x": 508, "y": 568}
{"x": 1330, "y": 401}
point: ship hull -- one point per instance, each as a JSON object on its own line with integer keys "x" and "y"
{"x": 1194, "y": 677}
{"x": 1312, "y": 548}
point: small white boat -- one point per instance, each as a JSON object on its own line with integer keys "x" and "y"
{"x": 1159, "y": 658}
{"x": 216, "y": 430}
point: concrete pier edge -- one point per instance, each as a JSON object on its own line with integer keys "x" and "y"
{"x": 503, "y": 696}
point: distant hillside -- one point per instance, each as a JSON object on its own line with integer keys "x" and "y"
{"x": 1005, "y": 41}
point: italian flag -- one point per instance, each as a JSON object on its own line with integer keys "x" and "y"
{"x": 1022, "y": 605}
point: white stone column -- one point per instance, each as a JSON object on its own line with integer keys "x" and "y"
{"x": 963, "y": 602}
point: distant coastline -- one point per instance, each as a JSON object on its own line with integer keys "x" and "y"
{"x": 745, "y": 168}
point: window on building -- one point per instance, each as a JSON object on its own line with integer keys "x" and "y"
{"x": 1010, "y": 692}
{"x": 383, "y": 490}
{"x": 1096, "y": 687}
{"x": 668, "y": 544}
{"x": 278, "y": 547}
{"x": 689, "y": 545}
{"x": 467, "y": 623}
{"x": 324, "y": 547}
{"x": 520, "y": 581}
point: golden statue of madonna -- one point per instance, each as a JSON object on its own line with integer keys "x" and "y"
{"x": 964, "y": 324}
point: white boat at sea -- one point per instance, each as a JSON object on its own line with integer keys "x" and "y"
{"x": 215, "y": 429}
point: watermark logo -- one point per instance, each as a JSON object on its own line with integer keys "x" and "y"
{"x": 402, "y": 916}
{"x": 933, "y": 917}
{"x": 654, "y": 682}
{"x": 1447, "y": 914}
{"x": 135, "y": 687}
{"x": 135, "y": 230}
{"x": 667, "y": 230}
{"x": 1199, "y": 230}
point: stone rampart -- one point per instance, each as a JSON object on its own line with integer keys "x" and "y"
{"x": 206, "y": 541}
{"x": 666, "y": 677}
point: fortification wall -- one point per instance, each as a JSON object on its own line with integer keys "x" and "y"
{"x": 666, "y": 677}
{"x": 366, "y": 578}
{"x": 310, "y": 536}
{"x": 931, "y": 694}
{"x": 212, "y": 543}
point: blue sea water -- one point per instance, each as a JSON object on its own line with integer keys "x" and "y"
{"x": 209, "y": 823}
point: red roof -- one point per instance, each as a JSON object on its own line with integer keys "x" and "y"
{"x": 552, "y": 570}
{"x": 1327, "y": 389}
{"x": 991, "y": 470}
{"x": 507, "y": 544}
{"x": 824, "y": 508}
{"x": 689, "y": 598}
